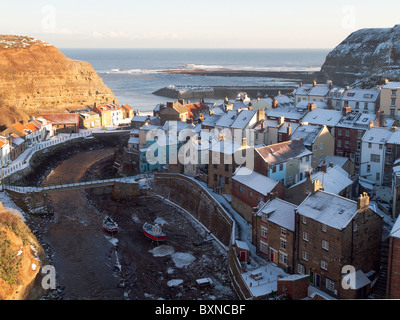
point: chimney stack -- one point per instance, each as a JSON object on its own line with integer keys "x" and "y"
{"x": 244, "y": 142}
{"x": 363, "y": 201}
{"x": 281, "y": 120}
{"x": 274, "y": 103}
{"x": 314, "y": 83}
{"x": 316, "y": 185}
{"x": 170, "y": 104}
{"x": 323, "y": 167}
{"x": 346, "y": 109}
{"x": 181, "y": 101}
{"x": 260, "y": 114}
{"x": 289, "y": 130}
{"x": 262, "y": 125}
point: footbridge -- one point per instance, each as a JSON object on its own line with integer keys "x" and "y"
{"x": 59, "y": 187}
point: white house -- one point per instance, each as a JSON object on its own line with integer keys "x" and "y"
{"x": 362, "y": 100}
{"x": 373, "y": 150}
{"x": 4, "y": 151}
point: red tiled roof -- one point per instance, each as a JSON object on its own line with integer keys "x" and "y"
{"x": 3, "y": 143}
{"x": 196, "y": 108}
{"x": 20, "y": 127}
{"x": 62, "y": 118}
{"x": 126, "y": 106}
{"x": 31, "y": 126}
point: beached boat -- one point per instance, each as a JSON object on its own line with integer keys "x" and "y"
{"x": 109, "y": 224}
{"x": 154, "y": 232}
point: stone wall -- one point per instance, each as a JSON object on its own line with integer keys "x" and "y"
{"x": 192, "y": 197}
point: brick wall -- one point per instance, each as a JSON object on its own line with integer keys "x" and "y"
{"x": 393, "y": 273}
{"x": 296, "y": 288}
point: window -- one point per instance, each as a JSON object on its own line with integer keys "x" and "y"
{"x": 304, "y": 255}
{"x": 315, "y": 147}
{"x": 365, "y": 106}
{"x": 325, "y": 245}
{"x": 369, "y": 145}
{"x": 368, "y": 168}
{"x": 241, "y": 190}
{"x": 323, "y": 228}
{"x": 227, "y": 167}
{"x": 346, "y": 144}
{"x": 358, "y": 145}
{"x": 301, "y": 269}
{"x": 375, "y": 158}
{"x": 264, "y": 218}
{"x": 235, "y": 185}
{"x": 339, "y": 132}
{"x": 305, "y": 236}
{"x": 378, "y": 176}
{"x": 394, "y": 92}
{"x": 347, "y": 133}
{"x": 264, "y": 232}
{"x": 283, "y": 244}
{"x": 392, "y": 112}
{"x": 250, "y": 194}
{"x": 280, "y": 166}
{"x": 380, "y": 147}
{"x": 283, "y": 257}
{"x": 393, "y": 102}
{"x": 283, "y": 232}
{"x": 330, "y": 285}
{"x": 321, "y": 145}
{"x": 304, "y": 220}
{"x": 263, "y": 247}
{"x": 226, "y": 180}
{"x": 339, "y": 143}
{"x": 324, "y": 265}
{"x": 273, "y": 169}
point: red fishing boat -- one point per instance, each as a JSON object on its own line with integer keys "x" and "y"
{"x": 154, "y": 232}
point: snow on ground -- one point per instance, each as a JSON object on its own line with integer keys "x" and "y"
{"x": 265, "y": 279}
{"x": 174, "y": 282}
{"x": 182, "y": 259}
{"x": 160, "y": 221}
{"x": 162, "y": 251}
{"x": 114, "y": 241}
{"x": 8, "y": 204}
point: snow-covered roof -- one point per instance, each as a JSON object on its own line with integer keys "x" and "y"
{"x": 319, "y": 104}
{"x": 303, "y": 90}
{"x": 394, "y": 137}
{"x": 289, "y": 112}
{"x": 323, "y": 117}
{"x": 283, "y": 151}
{"x": 319, "y": 90}
{"x": 307, "y": 133}
{"x": 285, "y": 125}
{"x": 378, "y": 135}
{"x": 356, "y": 120}
{"x": 280, "y": 212}
{"x": 391, "y": 85}
{"x": 335, "y": 160}
{"x": 334, "y": 180}
{"x": 362, "y": 95}
{"x": 255, "y": 181}
{"x": 211, "y": 119}
{"x": 243, "y": 119}
{"x": 227, "y": 119}
{"x": 330, "y": 209}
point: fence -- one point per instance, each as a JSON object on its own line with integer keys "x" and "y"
{"x": 53, "y": 187}
{"x": 21, "y": 161}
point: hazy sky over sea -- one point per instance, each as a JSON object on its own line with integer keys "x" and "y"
{"x": 195, "y": 24}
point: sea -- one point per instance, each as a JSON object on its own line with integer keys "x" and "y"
{"x": 134, "y": 74}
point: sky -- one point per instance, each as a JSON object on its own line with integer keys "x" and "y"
{"x": 195, "y": 24}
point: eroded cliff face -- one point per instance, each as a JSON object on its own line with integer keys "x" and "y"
{"x": 21, "y": 257}
{"x": 365, "y": 53}
{"x": 35, "y": 77}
